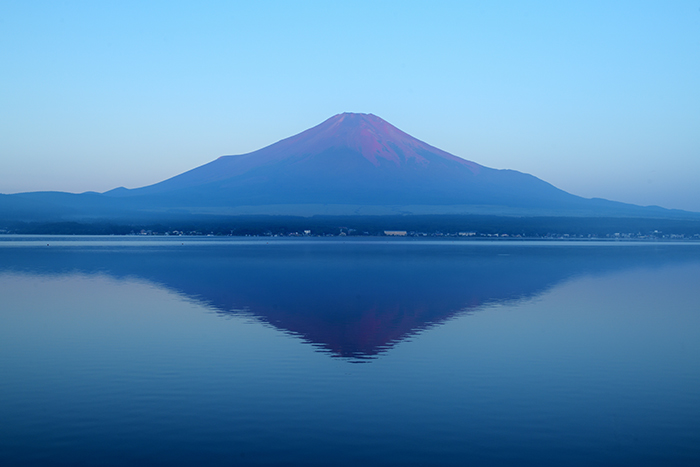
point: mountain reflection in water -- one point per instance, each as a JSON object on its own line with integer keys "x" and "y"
{"x": 355, "y": 299}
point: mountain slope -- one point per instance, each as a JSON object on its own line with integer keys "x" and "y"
{"x": 352, "y": 159}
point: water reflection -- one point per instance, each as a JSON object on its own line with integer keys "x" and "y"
{"x": 353, "y": 300}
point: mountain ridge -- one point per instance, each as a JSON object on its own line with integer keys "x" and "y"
{"x": 352, "y": 159}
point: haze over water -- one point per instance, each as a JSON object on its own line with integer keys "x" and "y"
{"x": 178, "y": 351}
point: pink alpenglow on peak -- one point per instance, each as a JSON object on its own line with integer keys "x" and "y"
{"x": 371, "y": 136}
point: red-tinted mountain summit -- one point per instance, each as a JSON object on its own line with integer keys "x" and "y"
{"x": 352, "y": 160}
{"x": 373, "y": 138}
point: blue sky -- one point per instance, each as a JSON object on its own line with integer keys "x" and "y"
{"x": 601, "y": 99}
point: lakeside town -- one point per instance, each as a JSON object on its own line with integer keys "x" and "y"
{"x": 656, "y": 235}
{"x": 472, "y": 235}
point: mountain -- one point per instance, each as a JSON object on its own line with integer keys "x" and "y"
{"x": 359, "y": 162}
{"x": 350, "y": 164}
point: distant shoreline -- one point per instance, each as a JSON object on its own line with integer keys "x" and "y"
{"x": 9, "y": 237}
{"x": 428, "y": 226}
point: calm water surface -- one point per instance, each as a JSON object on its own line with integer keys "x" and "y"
{"x": 174, "y": 351}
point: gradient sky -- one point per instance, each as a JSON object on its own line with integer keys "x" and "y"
{"x": 601, "y": 99}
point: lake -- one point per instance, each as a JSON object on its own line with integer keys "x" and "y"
{"x": 313, "y": 351}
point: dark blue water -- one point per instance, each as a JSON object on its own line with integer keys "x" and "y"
{"x": 128, "y": 351}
